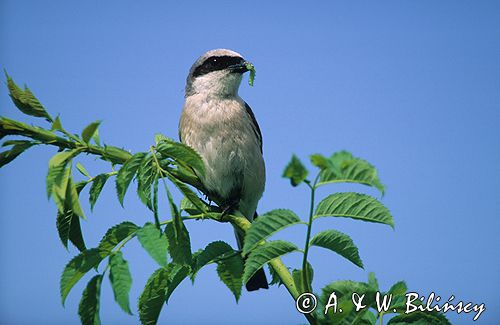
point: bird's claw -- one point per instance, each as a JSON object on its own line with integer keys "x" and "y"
{"x": 227, "y": 211}
{"x": 225, "y": 214}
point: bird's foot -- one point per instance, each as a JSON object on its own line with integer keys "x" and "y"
{"x": 226, "y": 211}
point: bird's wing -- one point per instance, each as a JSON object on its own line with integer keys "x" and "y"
{"x": 255, "y": 125}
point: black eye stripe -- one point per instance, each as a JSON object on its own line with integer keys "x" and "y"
{"x": 216, "y": 63}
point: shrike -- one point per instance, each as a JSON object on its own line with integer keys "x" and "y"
{"x": 221, "y": 127}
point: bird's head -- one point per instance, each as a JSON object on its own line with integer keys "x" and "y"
{"x": 216, "y": 73}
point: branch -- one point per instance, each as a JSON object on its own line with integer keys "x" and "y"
{"x": 111, "y": 153}
{"x": 119, "y": 156}
{"x": 277, "y": 264}
{"x": 12, "y": 127}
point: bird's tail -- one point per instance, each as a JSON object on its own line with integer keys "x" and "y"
{"x": 259, "y": 279}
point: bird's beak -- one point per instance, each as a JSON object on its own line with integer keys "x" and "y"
{"x": 241, "y": 67}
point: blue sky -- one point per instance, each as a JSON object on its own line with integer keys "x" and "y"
{"x": 411, "y": 86}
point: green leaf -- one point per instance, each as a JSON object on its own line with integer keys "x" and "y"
{"x": 194, "y": 269}
{"x": 174, "y": 211}
{"x": 82, "y": 170}
{"x": 178, "y": 236}
{"x": 89, "y": 304}
{"x": 362, "y": 317}
{"x": 9, "y": 155}
{"x": 344, "y": 291}
{"x": 266, "y": 225}
{"x": 121, "y": 280}
{"x": 372, "y": 281}
{"x": 25, "y": 100}
{"x": 189, "y": 207}
{"x": 154, "y": 242}
{"x": 155, "y": 201}
{"x": 338, "y": 157}
{"x": 63, "y": 224}
{"x": 72, "y": 199}
{"x": 398, "y": 303}
{"x": 338, "y": 242}
{"x": 343, "y": 167}
{"x": 181, "y": 154}
{"x": 188, "y": 193}
{"x": 153, "y": 297}
{"x": 343, "y": 303}
{"x": 68, "y": 223}
{"x": 76, "y": 268}
{"x": 89, "y": 131}
{"x": 179, "y": 243}
{"x": 96, "y": 188}
{"x": 212, "y": 253}
{"x": 160, "y": 137}
{"x": 368, "y": 318}
{"x": 356, "y": 206}
{"x": 398, "y": 289}
{"x": 298, "y": 279}
{"x": 56, "y": 125}
{"x": 345, "y": 288}
{"x": 61, "y": 190}
{"x": 75, "y": 234}
{"x": 57, "y": 166}
{"x": 68, "y": 228}
{"x": 114, "y": 236}
{"x": 263, "y": 254}
{"x": 295, "y": 171}
{"x": 127, "y": 173}
{"x": 320, "y": 161}
{"x": 419, "y": 318}
{"x": 176, "y": 274}
{"x": 66, "y": 194}
{"x": 146, "y": 176}
{"x": 230, "y": 271}
{"x": 80, "y": 186}
{"x": 96, "y": 138}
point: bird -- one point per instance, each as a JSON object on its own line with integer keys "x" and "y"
{"x": 218, "y": 124}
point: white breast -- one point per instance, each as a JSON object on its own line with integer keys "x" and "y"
{"x": 220, "y": 130}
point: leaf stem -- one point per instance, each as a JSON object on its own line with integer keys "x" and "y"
{"x": 277, "y": 264}
{"x": 119, "y": 156}
{"x": 91, "y": 179}
{"x": 71, "y": 136}
{"x": 305, "y": 276}
{"x": 12, "y": 127}
{"x": 47, "y": 137}
{"x": 161, "y": 172}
